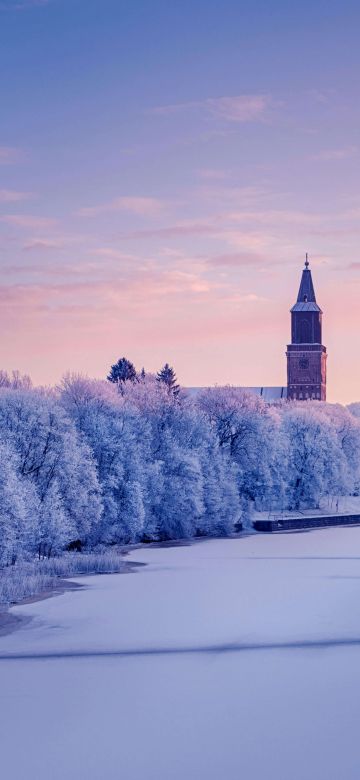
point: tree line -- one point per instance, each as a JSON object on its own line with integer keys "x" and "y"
{"x": 136, "y": 458}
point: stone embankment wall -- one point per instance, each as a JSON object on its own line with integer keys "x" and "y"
{"x": 296, "y": 523}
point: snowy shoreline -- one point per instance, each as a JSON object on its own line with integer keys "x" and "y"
{"x": 43, "y": 587}
{"x": 10, "y": 622}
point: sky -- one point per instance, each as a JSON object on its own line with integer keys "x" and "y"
{"x": 164, "y": 167}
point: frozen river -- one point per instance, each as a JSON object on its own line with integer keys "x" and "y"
{"x": 235, "y": 659}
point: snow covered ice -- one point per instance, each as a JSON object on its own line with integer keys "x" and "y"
{"x": 235, "y": 658}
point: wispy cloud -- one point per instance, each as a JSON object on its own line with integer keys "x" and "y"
{"x": 235, "y": 260}
{"x": 42, "y": 244}
{"x": 28, "y": 221}
{"x": 235, "y": 108}
{"x": 10, "y": 154}
{"x": 174, "y": 231}
{"x": 246, "y": 298}
{"x": 23, "y": 5}
{"x": 327, "y": 155}
{"x": 12, "y": 196}
{"x": 276, "y": 216}
{"x": 109, "y": 253}
{"x": 213, "y": 174}
{"x": 141, "y": 206}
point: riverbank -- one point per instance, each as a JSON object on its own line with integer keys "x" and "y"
{"x": 30, "y": 582}
{"x": 35, "y": 580}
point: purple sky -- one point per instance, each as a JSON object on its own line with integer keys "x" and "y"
{"x": 164, "y": 167}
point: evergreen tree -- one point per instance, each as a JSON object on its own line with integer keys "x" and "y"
{"x": 122, "y": 371}
{"x": 12, "y": 508}
{"x": 168, "y": 377}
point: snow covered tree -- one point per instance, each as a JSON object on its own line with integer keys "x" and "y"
{"x": 245, "y": 428}
{"x": 90, "y": 465}
{"x": 222, "y": 508}
{"x": 13, "y": 510}
{"x": 116, "y": 437}
{"x": 55, "y": 529}
{"x": 49, "y": 450}
{"x": 181, "y": 503}
{"x": 16, "y": 381}
{"x": 314, "y": 461}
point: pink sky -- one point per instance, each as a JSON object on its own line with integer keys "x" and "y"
{"x": 160, "y": 207}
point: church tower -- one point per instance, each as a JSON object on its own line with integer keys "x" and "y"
{"x": 306, "y": 356}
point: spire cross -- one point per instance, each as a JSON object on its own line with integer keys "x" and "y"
{"x": 307, "y": 261}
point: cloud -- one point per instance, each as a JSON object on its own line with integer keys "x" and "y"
{"x": 327, "y": 155}
{"x": 235, "y": 260}
{"x": 228, "y": 197}
{"x": 276, "y": 217}
{"x": 111, "y": 254}
{"x": 14, "y": 5}
{"x": 213, "y": 174}
{"x": 28, "y": 221}
{"x": 174, "y": 231}
{"x": 150, "y": 284}
{"x": 42, "y": 244}
{"x": 10, "y": 154}
{"x": 246, "y": 298}
{"x": 145, "y": 207}
{"x": 12, "y": 196}
{"x": 236, "y": 108}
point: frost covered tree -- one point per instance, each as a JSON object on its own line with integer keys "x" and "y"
{"x": 314, "y": 462}
{"x": 84, "y": 463}
{"x": 222, "y": 506}
{"x": 116, "y": 437}
{"x": 181, "y": 503}
{"x": 55, "y": 528}
{"x": 347, "y": 429}
{"x": 15, "y": 380}
{"x": 13, "y": 509}
{"x": 207, "y": 476}
{"x": 48, "y": 451}
{"x": 245, "y": 428}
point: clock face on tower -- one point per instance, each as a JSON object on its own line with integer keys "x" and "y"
{"x": 303, "y": 363}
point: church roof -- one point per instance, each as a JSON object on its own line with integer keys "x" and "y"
{"x": 268, "y": 394}
{"x": 306, "y": 300}
{"x": 306, "y": 306}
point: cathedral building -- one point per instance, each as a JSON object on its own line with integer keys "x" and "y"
{"x": 306, "y": 355}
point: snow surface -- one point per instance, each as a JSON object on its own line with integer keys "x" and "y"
{"x": 230, "y": 659}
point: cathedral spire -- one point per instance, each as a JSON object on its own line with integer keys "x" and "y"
{"x": 306, "y": 290}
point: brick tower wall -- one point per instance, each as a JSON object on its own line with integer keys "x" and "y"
{"x": 306, "y": 371}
